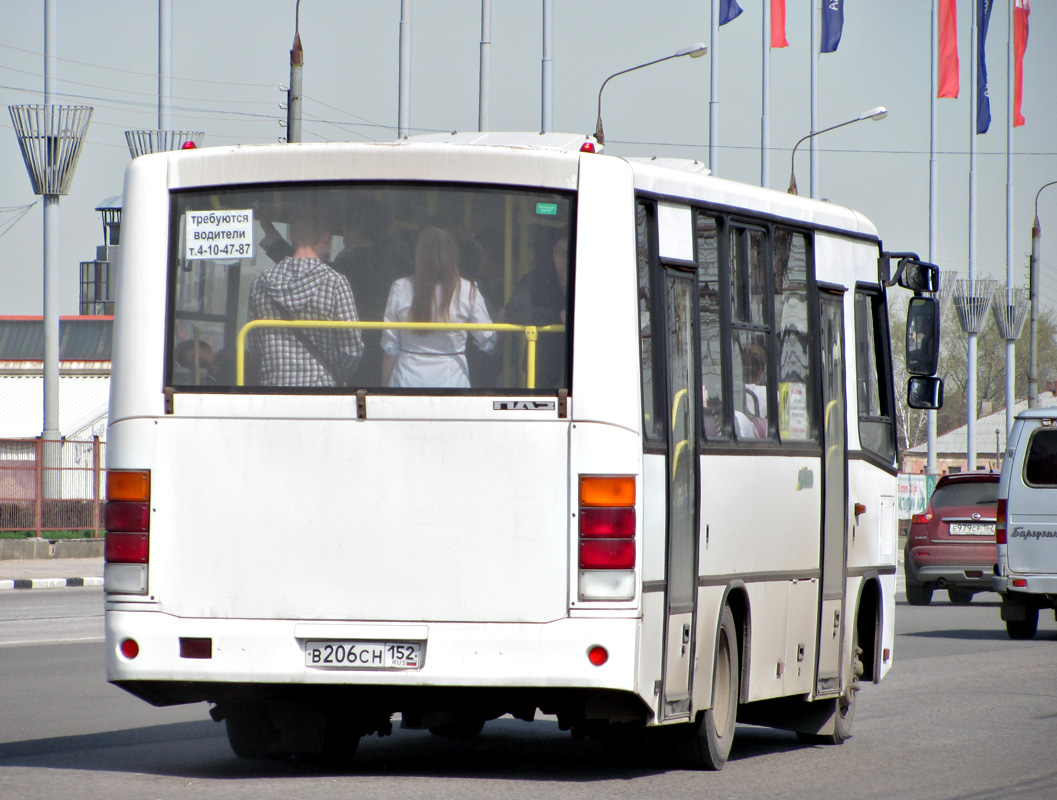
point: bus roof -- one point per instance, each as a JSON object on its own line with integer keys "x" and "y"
{"x": 663, "y": 177}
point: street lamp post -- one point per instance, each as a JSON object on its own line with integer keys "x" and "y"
{"x": 694, "y": 51}
{"x": 878, "y": 113}
{"x": 1033, "y": 294}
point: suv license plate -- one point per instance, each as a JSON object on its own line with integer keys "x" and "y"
{"x": 972, "y": 528}
{"x": 363, "y": 655}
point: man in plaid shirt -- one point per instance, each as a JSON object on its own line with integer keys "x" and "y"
{"x": 302, "y": 286}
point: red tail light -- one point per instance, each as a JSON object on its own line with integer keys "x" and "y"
{"x": 607, "y": 553}
{"x": 125, "y": 516}
{"x": 618, "y": 523}
{"x": 126, "y": 548}
{"x": 921, "y": 519}
{"x": 1000, "y": 522}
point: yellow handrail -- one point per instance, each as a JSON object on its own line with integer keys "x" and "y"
{"x": 531, "y": 333}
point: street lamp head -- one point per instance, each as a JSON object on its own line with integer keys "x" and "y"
{"x": 694, "y": 51}
{"x": 878, "y": 113}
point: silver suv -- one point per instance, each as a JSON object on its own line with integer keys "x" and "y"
{"x": 1026, "y": 526}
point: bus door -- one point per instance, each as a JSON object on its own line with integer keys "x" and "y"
{"x": 834, "y": 494}
{"x": 682, "y": 493}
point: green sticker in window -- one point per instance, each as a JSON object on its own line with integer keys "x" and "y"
{"x": 547, "y": 209}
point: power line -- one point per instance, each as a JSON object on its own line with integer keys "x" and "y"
{"x": 152, "y": 75}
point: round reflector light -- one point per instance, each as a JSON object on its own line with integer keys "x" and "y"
{"x": 598, "y": 655}
{"x": 188, "y": 146}
{"x": 129, "y": 648}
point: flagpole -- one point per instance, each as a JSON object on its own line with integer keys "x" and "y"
{"x": 765, "y": 100}
{"x": 970, "y": 378}
{"x": 485, "y": 81}
{"x": 713, "y": 101}
{"x": 930, "y": 463}
{"x": 1011, "y": 344}
{"x": 547, "y": 112}
{"x": 816, "y": 10}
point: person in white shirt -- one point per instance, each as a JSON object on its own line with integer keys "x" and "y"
{"x": 435, "y": 293}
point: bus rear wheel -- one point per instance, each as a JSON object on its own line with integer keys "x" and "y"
{"x": 711, "y": 735}
{"x": 250, "y": 730}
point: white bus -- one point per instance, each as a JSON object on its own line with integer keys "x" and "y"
{"x": 637, "y": 471}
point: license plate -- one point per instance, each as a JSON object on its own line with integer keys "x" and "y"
{"x": 363, "y": 655}
{"x": 972, "y": 528}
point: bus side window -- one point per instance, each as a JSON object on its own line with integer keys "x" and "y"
{"x": 795, "y": 418}
{"x": 646, "y": 248}
{"x": 713, "y": 396}
{"x": 751, "y": 331}
{"x": 874, "y": 391}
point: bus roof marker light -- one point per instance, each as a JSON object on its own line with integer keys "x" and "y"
{"x": 189, "y": 146}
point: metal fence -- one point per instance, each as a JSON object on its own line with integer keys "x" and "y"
{"x": 50, "y": 486}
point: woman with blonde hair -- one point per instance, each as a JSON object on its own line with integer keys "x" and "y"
{"x": 435, "y": 293}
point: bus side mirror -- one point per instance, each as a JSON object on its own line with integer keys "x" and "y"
{"x": 911, "y": 272}
{"x": 925, "y": 391}
{"x": 923, "y": 335}
{"x": 918, "y": 276}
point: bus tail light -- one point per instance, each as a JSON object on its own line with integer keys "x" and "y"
{"x": 1000, "y": 522}
{"x": 126, "y": 549}
{"x": 606, "y": 556}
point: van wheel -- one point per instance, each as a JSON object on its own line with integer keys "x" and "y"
{"x": 919, "y": 594}
{"x": 960, "y": 597}
{"x": 1025, "y": 628}
{"x": 710, "y": 736}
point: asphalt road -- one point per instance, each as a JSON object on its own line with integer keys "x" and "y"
{"x": 965, "y": 713}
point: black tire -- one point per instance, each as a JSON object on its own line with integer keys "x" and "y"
{"x": 712, "y": 733}
{"x": 919, "y": 594}
{"x": 250, "y": 731}
{"x": 845, "y": 706}
{"x": 960, "y": 597}
{"x": 1025, "y": 628}
{"x": 340, "y": 741}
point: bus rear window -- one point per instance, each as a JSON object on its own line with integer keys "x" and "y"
{"x": 406, "y": 288}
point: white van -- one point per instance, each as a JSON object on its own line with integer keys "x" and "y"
{"x": 1026, "y": 528}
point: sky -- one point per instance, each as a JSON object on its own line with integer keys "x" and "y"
{"x": 230, "y": 58}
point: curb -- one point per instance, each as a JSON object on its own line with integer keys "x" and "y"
{"x": 48, "y": 583}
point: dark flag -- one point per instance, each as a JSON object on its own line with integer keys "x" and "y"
{"x": 983, "y": 102}
{"x": 832, "y": 25}
{"x": 728, "y": 10}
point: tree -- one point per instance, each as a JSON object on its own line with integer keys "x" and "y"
{"x": 954, "y": 358}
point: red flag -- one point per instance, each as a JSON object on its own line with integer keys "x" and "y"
{"x": 778, "y": 24}
{"x": 1021, "y": 12}
{"x": 947, "y": 65}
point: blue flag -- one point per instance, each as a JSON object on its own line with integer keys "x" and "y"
{"x": 832, "y": 25}
{"x": 983, "y": 102}
{"x": 728, "y": 10}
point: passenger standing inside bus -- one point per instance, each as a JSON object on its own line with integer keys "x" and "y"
{"x": 541, "y": 298}
{"x": 303, "y": 287}
{"x": 434, "y": 293}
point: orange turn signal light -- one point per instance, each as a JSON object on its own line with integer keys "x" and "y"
{"x": 611, "y": 491}
{"x": 128, "y": 484}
